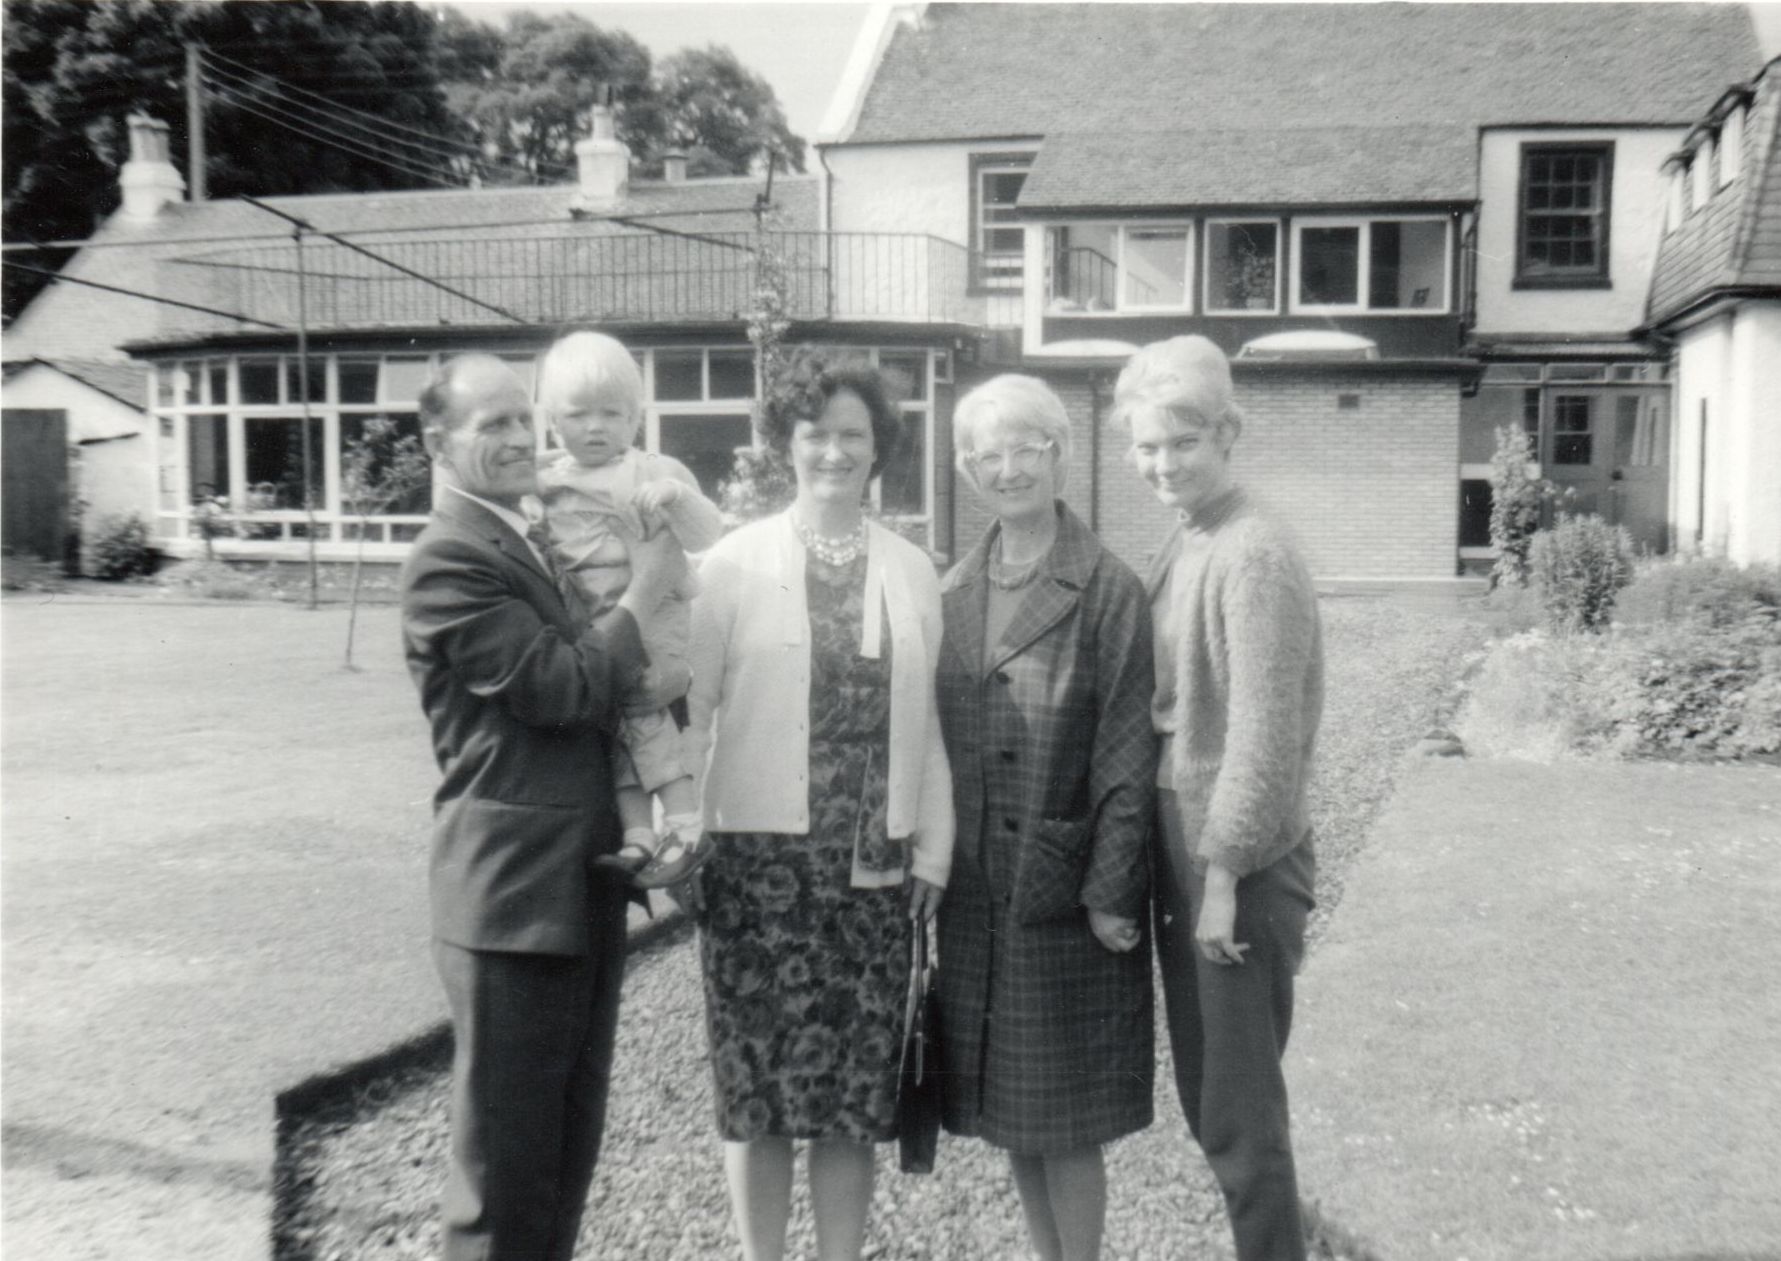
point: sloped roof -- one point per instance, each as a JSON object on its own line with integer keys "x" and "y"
{"x": 69, "y": 321}
{"x": 1734, "y": 241}
{"x": 1246, "y": 166}
{"x": 1004, "y": 70}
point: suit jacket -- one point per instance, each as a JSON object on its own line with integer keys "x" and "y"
{"x": 1064, "y": 699}
{"x": 523, "y": 699}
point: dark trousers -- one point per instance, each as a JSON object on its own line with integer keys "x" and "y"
{"x": 1228, "y": 1026}
{"x": 533, "y": 1054}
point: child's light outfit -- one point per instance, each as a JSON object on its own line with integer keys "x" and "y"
{"x": 592, "y": 511}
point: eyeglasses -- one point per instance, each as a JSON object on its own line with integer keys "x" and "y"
{"x": 1025, "y": 458}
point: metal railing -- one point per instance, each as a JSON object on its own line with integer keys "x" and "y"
{"x": 636, "y": 277}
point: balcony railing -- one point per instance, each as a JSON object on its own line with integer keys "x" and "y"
{"x": 554, "y": 280}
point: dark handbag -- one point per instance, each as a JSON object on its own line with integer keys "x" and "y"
{"x": 918, "y": 1082}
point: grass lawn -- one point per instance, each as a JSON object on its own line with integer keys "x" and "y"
{"x": 1545, "y": 1025}
{"x": 214, "y": 884}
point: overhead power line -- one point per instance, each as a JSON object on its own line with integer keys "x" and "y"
{"x": 347, "y": 144}
{"x": 138, "y": 293}
{"x": 306, "y": 226}
{"x": 381, "y": 125}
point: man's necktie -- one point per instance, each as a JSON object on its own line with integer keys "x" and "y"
{"x": 538, "y": 535}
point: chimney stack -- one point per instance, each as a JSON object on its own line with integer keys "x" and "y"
{"x": 674, "y": 167}
{"x": 149, "y": 179}
{"x": 603, "y": 165}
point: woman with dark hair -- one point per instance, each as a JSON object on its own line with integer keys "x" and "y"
{"x": 828, "y": 802}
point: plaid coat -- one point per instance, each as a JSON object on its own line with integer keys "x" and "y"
{"x": 1046, "y": 1034}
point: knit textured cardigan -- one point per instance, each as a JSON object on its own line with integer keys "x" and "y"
{"x": 749, "y": 703}
{"x": 1248, "y": 683}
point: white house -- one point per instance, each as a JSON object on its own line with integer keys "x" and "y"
{"x": 1465, "y": 193}
{"x": 1716, "y": 298}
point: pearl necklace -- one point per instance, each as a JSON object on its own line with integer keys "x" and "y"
{"x": 1011, "y": 577}
{"x": 836, "y": 553}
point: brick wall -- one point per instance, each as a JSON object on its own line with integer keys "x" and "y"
{"x": 1372, "y": 492}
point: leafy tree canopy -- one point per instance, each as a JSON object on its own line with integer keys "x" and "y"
{"x": 74, "y": 70}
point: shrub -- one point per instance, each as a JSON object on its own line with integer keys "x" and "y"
{"x": 1541, "y": 697}
{"x": 760, "y": 484}
{"x": 1579, "y": 566}
{"x": 1701, "y": 691}
{"x": 1516, "y": 501}
{"x": 1699, "y": 590}
{"x": 121, "y": 549}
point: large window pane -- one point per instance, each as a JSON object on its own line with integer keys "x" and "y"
{"x": 902, "y": 488}
{"x": 1084, "y": 267}
{"x": 1329, "y": 266}
{"x": 1407, "y": 266}
{"x": 680, "y": 376}
{"x": 732, "y": 374}
{"x": 358, "y": 380}
{"x": 259, "y": 380}
{"x": 1241, "y": 259}
{"x": 207, "y": 456}
{"x": 1155, "y": 265}
{"x": 275, "y": 462}
{"x": 1573, "y": 429}
{"x": 1564, "y": 212}
{"x": 404, "y": 377}
{"x": 404, "y": 425}
{"x": 706, "y": 445}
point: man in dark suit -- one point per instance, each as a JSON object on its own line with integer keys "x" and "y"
{"x": 523, "y": 701}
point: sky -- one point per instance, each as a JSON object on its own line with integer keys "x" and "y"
{"x": 799, "y": 48}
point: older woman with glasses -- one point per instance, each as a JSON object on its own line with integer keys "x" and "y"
{"x": 1045, "y": 686}
{"x": 1239, "y": 672}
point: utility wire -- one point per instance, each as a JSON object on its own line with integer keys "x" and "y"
{"x": 390, "y": 263}
{"x": 138, "y": 293}
{"x": 633, "y": 219}
{"x": 347, "y": 144}
{"x": 382, "y": 125}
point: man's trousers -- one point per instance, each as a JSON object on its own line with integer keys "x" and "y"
{"x": 534, "y": 1036}
{"x": 1228, "y": 1025}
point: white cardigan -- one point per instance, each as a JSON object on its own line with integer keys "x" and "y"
{"x": 749, "y": 703}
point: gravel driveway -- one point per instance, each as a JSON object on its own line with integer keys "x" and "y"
{"x": 362, "y": 1181}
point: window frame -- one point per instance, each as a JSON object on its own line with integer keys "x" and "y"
{"x": 1206, "y": 305}
{"x": 1598, "y": 277}
{"x": 1190, "y": 267}
{"x": 1363, "y": 266}
{"x": 983, "y": 278}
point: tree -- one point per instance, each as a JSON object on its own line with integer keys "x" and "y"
{"x": 74, "y": 70}
{"x": 1517, "y": 499}
{"x": 528, "y": 103}
{"x": 723, "y": 113}
{"x": 380, "y": 470}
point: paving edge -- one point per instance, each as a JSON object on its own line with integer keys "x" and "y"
{"x": 295, "y": 1105}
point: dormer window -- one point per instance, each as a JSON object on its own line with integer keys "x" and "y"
{"x": 1564, "y": 218}
{"x": 1731, "y": 146}
{"x": 1706, "y": 176}
{"x": 1094, "y": 267}
{"x": 1243, "y": 266}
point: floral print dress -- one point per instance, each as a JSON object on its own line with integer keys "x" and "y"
{"x": 805, "y": 975}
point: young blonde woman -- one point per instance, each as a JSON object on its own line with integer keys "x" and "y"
{"x": 1239, "y": 690}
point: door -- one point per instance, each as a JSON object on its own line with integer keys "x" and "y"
{"x": 1609, "y": 451}
{"x": 35, "y": 455}
{"x": 1639, "y": 481}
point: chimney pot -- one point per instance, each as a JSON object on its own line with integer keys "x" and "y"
{"x": 149, "y": 180}
{"x": 674, "y": 167}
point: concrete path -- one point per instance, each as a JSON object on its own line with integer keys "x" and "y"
{"x": 1544, "y": 1023}
{"x": 214, "y": 888}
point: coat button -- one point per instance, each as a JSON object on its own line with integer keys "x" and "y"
{"x": 1007, "y": 755}
{"x": 1002, "y": 677}
{"x": 1010, "y": 823}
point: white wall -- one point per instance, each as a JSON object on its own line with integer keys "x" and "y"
{"x": 1636, "y": 208}
{"x": 112, "y": 470}
{"x": 1732, "y": 362}
{"x": 913, "y": 188}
